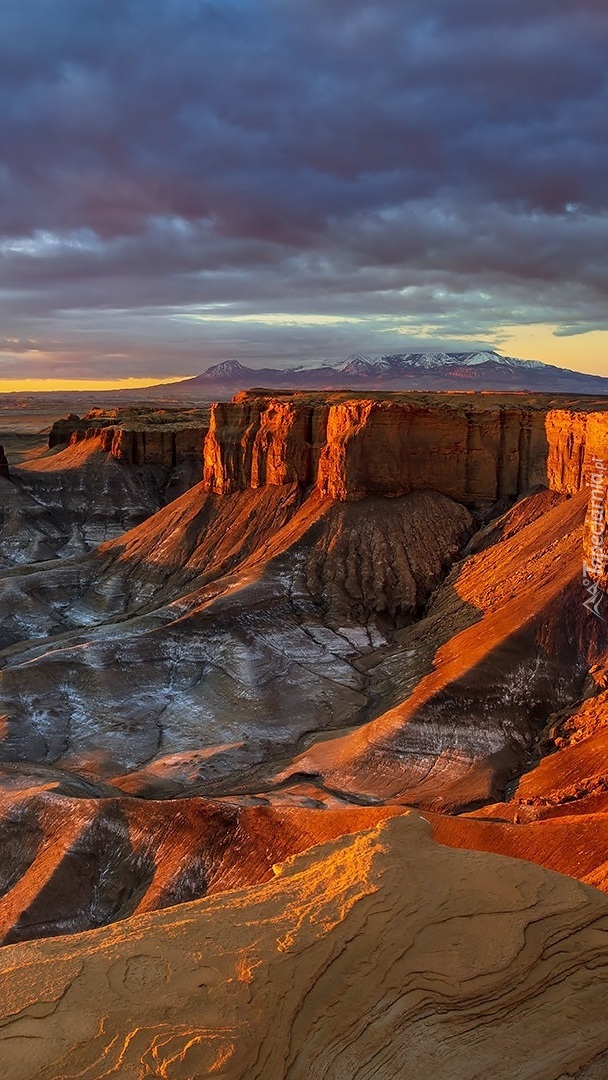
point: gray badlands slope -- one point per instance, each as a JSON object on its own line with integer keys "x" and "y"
{"x": 189, "y": 673}
{"x": 263, "y": 645}
{"x": 68, "y": 502}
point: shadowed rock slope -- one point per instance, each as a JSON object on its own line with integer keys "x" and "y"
{"x": 102, "y": 475}
{"x": 505, "y": 641}
{"x": 75, "y": 862}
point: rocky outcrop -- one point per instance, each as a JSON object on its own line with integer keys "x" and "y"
{"x": 256, "y": 441}
{"x": 162, "y": 438}
{"x": 577, "y": 442}
{"x": 476, "y": 451}
{"x": 165, "y": 447}
{"x": 505, "y": 642}
{"x": 62, "y": 430}
{"x": 380, "y": 954}
{"x": 293, "y": 630}
{"x": 394, "y": 447}
{"x": 72, "y": 862}
{"x": 350, "y": 448}
{"x": 4, "y": 469}
{"x": 222, "y": 632}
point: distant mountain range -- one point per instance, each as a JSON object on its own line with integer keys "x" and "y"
{"x": 486, "y": 370}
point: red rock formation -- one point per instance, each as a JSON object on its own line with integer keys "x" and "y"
{"x": 118, "y": 856}
{"x": 351, "y": 448}
{"x": 473, "y": 451}
{"x": 257, "y": 441}
{"x": 576, "y": 440}
{"x": 391, "y": 448}
{"x": 378, "y": 955}
{"x": 139, "y": 437}
{"x": 509, "y": 632}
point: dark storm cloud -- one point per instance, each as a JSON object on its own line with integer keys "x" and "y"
{"x": 419, "y": 164}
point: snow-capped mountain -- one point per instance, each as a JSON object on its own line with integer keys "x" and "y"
{"x": 475, "y": 370}
{"x": 228, "y": 369}
{"x": 369, "y": 365}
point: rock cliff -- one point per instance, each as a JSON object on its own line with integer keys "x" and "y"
{"x": 166, "y": 438}
{"x": 256, "y": 441}
{"x": 474, "y": 450}
{"x": 287, "y": 632}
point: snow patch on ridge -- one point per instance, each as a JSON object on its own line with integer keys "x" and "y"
{"x": 368, "y": 365}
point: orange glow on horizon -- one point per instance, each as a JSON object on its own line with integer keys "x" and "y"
{"x": 25, "y": 386}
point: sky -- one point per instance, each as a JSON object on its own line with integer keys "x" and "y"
{"x": 287, "y": 181}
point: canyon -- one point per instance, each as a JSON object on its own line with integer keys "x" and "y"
{"x": 267, "y": 661}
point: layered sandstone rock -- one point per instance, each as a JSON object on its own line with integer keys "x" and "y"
{"x": 393, "y": 447}
{"x": 63, "y": 430}
{"x": 72, "y": 862}
{"x": 216, "y": 636}
{"x": 68, "y": 500}
{"x": 145, "y": 437}
{"x": 577, "y": 442}
{"x": 268, "y": 637}
{"x": 256, "y": 441}
{"x": 353, "y": 447}
{"x": 473, "y": 451}
{"x": 505, "y": 642}
{"x": 380, "y": 954}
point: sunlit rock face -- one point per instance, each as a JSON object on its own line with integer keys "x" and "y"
{"x": 380, "y": 953}
{"x": 471, "y": 448}
{"x": 364, "y": 603}
{"x": 355, "y": 448}
{"x": 393, "y": 448}
{"x": 256, "y": 441}
{"x": 504, "y": 643}
{"x": 76, "y": 856}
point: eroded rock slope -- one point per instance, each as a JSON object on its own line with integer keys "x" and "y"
{"x": 362, "y": 602}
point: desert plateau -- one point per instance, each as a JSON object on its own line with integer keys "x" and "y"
{"x": 303, "y": 716}
{"x": 303, "y": 540}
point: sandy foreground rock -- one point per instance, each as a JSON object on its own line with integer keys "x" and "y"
{"x": 379, "y": 955}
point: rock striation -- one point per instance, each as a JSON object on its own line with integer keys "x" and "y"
{"x": 477, "y": 450}
{"x": 162, "y": 438}
{"x": 257, "y": 441}
{"x": 392, "y": 447}
{"x": 350, "y": 447}
{"x": 379, "y": 954}
{"x": 72, "y": 862}
{"x": 216, "y": 635}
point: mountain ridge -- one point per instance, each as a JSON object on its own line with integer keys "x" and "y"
{"x": 473, "y": 370}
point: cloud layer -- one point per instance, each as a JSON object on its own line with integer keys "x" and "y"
{"x": 415, "y": 171}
